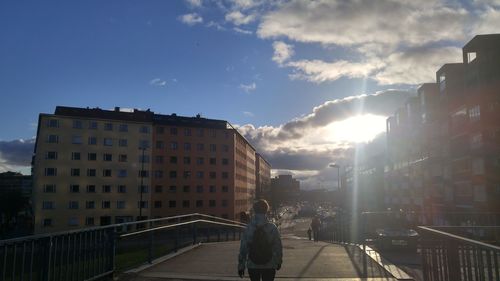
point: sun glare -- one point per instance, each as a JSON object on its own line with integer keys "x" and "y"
{"x": 362, "y": 128}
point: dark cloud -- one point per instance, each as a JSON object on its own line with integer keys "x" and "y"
{"x": 306, "y": 160}
{"x": 17, "y": 152}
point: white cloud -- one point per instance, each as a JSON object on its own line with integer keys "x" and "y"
{"x": 248, "y": 87}
{"x": 242, "y": 31}
{"x": 282, "y": 52}
{"x": 194, "y": 3}
{"x": 238, "y": 18}
{"x": 215, "y": 25}
{"x": 248, "y": 114}
{"x": 158, "y": 82}
{"x": 244, "y": 4}
{"x": 191, "y": 19}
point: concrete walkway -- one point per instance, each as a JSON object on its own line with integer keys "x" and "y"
{"x": 302, "y": 259}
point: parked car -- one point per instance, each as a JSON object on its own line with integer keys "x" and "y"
{"x": 403, "y": 239}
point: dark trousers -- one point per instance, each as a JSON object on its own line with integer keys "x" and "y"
{"x": 267, "y": 274}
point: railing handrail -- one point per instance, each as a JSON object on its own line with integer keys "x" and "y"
{"x": 179, "y": 224}
{"x": 463, "y": 226}
{"x": 460, "y": 238}
{"x": 47, "y": 235}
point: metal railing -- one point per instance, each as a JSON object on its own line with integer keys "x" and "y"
{"x": 447, "y": 256}
{"x": 100, "y": 252}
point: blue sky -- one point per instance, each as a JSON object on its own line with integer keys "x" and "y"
{"x": 263, "y": 65}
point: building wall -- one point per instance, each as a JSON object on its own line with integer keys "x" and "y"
{"x": 120, "y": 188}
{"x": 262, "y": 177}
{"x": 244, "y": 174}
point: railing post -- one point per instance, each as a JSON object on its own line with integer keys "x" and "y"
{"x": 150, "y": 243}
{"x": 194, "y": 233}
{"x": 363, "y": 237}
{"x": 113, "y": 239}
{"x": 46, "y": 259}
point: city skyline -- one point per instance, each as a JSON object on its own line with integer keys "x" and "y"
{"x": 233, "y": 60}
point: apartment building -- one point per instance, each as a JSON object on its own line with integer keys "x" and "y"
{"x": 97, "y": 167}
{"x": 445, "y": 153}
{"x": 262, "y": 177}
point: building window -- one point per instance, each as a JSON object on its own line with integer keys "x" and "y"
{"x": 476, "y": 141}
{"x": 122, "y": 142}
{"x": 48, "y": 205}
{"x": 76, "y": 155}
{"x": 106, "y": 204}
{"x": 51, "y": 172}
{"x": 108, "y": 127}
{"x": 173, "y": 131}
{"x": 107, "y": 157}
{"x": 478, "y": 166}
{"x": 173, "y": 159}
{"x": 47, "y": 222}
{"x": 90, "y": 204}
{"x": 53, "y": 123}
{"x": 212, "y": 189}
{"x": 213, "y": 161}
{"x": 213, "y": 133}
{"x": 187, "y": 146}
{"x": 186, "y": 189}
{"x": 199, "y": 132}
{"x": 187, "y": 160}
{"x": 52, "y": 138}
{"x": 158, "y": 174}
{"x": 172, "y": 204}
{"x": 93, "y": 125}
{"x": 160, "y": 130}
{"x": 92, "y": 141}
{"x": 199, "y": 203}
{"x": 160, "y": 145}
{"x": 74, "y": 188}
{"x": 89, "y": 221}
{"x": 143, "y": 144}
{"x": 225, "y": 188}
{"x": 224, "y": 203}
{"x": 186, "y": 174}
{"x": 225, "y": 148}
{"x": 144, "y": 130}
{"x": 480, "y": 193}
{"x": 91, "y": 172}
{"x": 185, "y": 203}
{"x": 120, "y": 204}
{"x": 199, "y": 189}
{"x": 106, "y": 188}
{"x": 225, "y": 161}
{"x": 144, "y": 158}
{"x": 108, "y": 142}
{"x": 200, "y": 147}
{"x": 142, "y": 204}
{"x": 213, "y": 147}
{"x": 122, "y": 158}
{"x": 122, "y": 189}
{"x": 200, "y": 160}
{"x": 199, "y": 175}
{"x": 73, "y": 204}
{"x": 158, "y": 189}
{"x": 475, "y": 113}
{"x": 73, "y": 222}
{"x": 52, "y": 155}
{"x": 173, "y": 145}
{"x": 49, "y": 188}
{"x": 187, "y": 132}
{"x": 122, "y": 173}
{"x": 211, "y": 203}
{"x": 77, "y": 124}
{"x": 76, "y": 139}
{"x": 106, "y": 173}
{"x": 225, "y": 175}
{"x": 90, "y": 188}
{"x": 157, "y": 204}
{"x": 123, "y": 128}
{"x": 144, "y": 189}
{"x": 92, "y": 156}
{"x": 212, "y": 175}
{"x": 143, "y": 174}
{"x": 158, "y": 159}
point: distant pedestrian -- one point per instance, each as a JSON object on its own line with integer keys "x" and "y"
{"x": 315, "y": 226}
{"x": 309, "y": 233}
{"x": 260, "y": 246}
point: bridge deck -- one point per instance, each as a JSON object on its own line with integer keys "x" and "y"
{"x": 302, "y": 259}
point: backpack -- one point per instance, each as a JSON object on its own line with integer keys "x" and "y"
{"x": 260, "y": 248}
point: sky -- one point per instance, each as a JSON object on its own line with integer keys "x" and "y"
{"x": 305, "y": 81}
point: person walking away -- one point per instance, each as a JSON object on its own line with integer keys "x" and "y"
{"x": 261, "y": 251}
{"x": 315, "y": 226}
